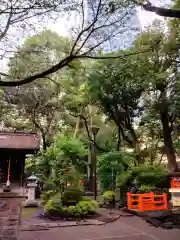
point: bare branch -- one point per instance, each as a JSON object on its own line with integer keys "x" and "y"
{"x": 100, "y": 28}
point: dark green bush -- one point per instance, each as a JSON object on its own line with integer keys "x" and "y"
{"x": 49, "y": 185}
{"x": 144, "y": 175}
{"x": 149, "y": 174}
{"x": 71, "y": 196}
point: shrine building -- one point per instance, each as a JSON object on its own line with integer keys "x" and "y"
{"x": 14, "y": 146}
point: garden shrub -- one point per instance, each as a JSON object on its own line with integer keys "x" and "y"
{"x": 144, "y": 174}
{"x": 86, "y": 198}
{"x": 154, "y": 175}
{"x": 145, "y": 189}
{"x": 45, "y": 196}
{"x": 49, "y": 185}
{"x": 87, "y": 207}
{"x": 109, "y": 195}
{"x": 55, "y": 208}
{"x": 71, "y": 196}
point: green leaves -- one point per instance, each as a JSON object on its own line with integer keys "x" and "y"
{"x": 112, "y": 164}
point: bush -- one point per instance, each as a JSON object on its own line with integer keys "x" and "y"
{"x": 109, "y": 195}
{"x": 49, "y": 185}
{"x": 71, "y": 196}
{"x": 118, "y": 161}
{"x": 86, "y": 207}
{"x": 143, "y": 174}
{"x": 55, "y": 208}
{"x": 109, "y": 198}
{"x": 45, "y": 196}
{"x": 145, "y": 189}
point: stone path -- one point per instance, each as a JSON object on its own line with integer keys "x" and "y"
{"x": 40, "y": 223}
{"x": 125, "y": 228}
{"x": 9, "y": 219}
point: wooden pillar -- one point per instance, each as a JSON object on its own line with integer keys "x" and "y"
{"x": 22, "y": 169}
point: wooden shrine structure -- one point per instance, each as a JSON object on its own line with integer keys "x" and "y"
{"x": 14, "y": 146}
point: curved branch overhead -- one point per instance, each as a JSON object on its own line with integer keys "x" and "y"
{"x": 59, "y": 66}
{"x": 164, "y": 12}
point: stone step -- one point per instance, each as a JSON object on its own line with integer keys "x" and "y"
{"x": 12, "y": 195}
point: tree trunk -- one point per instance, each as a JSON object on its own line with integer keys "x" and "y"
{"x": 44, "y": 141}
{"x": 78, "y": 119}
{"x": 119, "y": 138}
{"x": 168, "y": 143}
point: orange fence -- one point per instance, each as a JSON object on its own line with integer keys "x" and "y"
{"x": 147, "y": 202}
{"x": 175, "y": 182}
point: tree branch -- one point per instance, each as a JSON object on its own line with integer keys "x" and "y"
{"x": 164, "y": 12}
{"x": 61, "y": 65}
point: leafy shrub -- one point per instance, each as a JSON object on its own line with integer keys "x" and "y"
{"x": 54, "y": 207}
{"x": 86, "y": 198}
{"x": 71, "y": 196}
{"x": 143, "y": 174}
{"x": 145, "y": 189}
{"x": 124, "y": 179}
{"x": 45, "y": 196}
{"x": 146, "y": 174}
{"x": 118, "y": 161}
{"x": 49, "y": 185}
{"x": 109, "y": 195}
{"x": 86, "y": 207}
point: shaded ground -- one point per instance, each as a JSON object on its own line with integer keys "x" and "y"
{"x": 32, "y": 219}
{"x": 9, "y": 219}
{"x": 125, "y": 228}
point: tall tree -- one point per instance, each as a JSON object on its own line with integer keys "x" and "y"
{"x": 39, "y": 103}
{"x": 163, "y": 90}
{"x": 117, "y": 90}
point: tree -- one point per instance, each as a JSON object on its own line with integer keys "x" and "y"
{"x": 98, "y": 24}
{"x": 163, "y": 76}
{"x": 64, "y": 154}
{"x": 117, "y": 90}
{"x": 39, "y": 103}
{"x": 112, "y": 164}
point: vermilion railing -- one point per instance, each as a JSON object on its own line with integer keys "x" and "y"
{"x": 147, "y": 202}
{"x": 175, "y": 182}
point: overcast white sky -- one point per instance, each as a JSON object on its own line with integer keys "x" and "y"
{"x": 145, "y": 18}
{"x": 64, "y": 23}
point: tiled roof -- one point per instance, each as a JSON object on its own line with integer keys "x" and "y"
{"x": 19, "y": 140}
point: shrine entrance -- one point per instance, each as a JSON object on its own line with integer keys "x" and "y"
{"x": 14, "y": 146}
{"x": 16, "y": 162}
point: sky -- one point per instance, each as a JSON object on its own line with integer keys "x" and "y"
{"x": 145, "y": 18}
{"x": 63, "y": 25}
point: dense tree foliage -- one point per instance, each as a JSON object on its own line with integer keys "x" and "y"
{"x": 131, "y": 94}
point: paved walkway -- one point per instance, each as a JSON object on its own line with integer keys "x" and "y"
{"x": 9, "y": 219}
{"x": 126, "y": 228}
